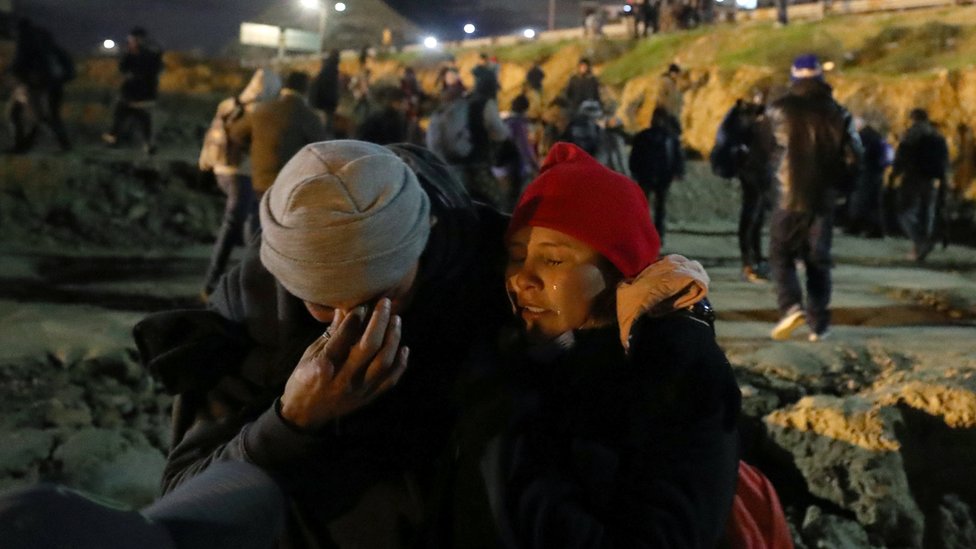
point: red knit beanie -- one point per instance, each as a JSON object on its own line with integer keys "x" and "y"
{"x": 576, "y": 195}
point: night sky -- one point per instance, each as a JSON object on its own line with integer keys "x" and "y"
{"x": 209, "y": 25}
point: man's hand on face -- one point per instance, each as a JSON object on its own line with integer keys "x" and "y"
{"x": 345, "y": 369}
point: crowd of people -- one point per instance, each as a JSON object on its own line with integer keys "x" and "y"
{"x": 436, "y": 339}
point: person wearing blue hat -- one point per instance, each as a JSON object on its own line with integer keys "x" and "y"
{"x": 816, "y": 155}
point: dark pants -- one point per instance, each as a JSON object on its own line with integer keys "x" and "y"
{"x": 240, "y": 223}
{"x": 46, "y": 106}
{"x": 805, "y": 237}
{"x": 864, "y": 205}
{"x": 659, "y": 192}
{"x": 125, "y": 114}
{"x": 752, "y": 215}
{"x": 230, "y": 505}
{"x": 916, "y": 211}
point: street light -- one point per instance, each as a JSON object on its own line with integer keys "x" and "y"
{"x": 323, "y": 12}
{"x": 108, "y": 44}
{"x": 529, "y": 33}
{"x": 340, "y": 7}
{"x": 469, "y": 29}
{"x": 430, "y": 42}
{"x": 310, "y": 4}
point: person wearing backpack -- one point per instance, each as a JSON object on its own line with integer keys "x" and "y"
{"x": 585, "y": 132}
{"x": 225, "y": 158}
{"x": 41, "y": 68}
{"x": 742, "y": 148}
{"x": 920, "y": 168}
{"x": 655, "y": 161}
{"x": 464, "y": 131}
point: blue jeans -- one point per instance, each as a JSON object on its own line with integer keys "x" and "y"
{"x": 239, "y": 225}
{"x": 806, "y": 237}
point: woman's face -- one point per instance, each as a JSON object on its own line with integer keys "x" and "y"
{"x": 557, "y": 283}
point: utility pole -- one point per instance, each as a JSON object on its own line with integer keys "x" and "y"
{"x": 552, "y": 14}
{"x": 323, "y": 11}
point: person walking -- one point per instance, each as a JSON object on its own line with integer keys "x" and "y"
{"x": 816, "y": 154}
{"x": 655, "y": 161}
{"x": 864, "y": 204}
{"x": 275, "y": 130}
{"x": 225, "y": 157}
{"x": 323, "y": 94}
{"x": 140, "y": 66}
{"x": 921, "y": 162}
{"x": 582, "y": 86}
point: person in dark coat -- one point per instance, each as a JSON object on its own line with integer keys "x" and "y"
{"x": 655, "y": 161}
{"x": 41, "y": 68}
{"x": 324, "y": 91}
{"x": 616, "y": 423}
{"x": 921, "y": 162}
{"x": 352, "y": 430}
{"x": 140, "y": 66}
{"x": 582, "y": 86}
{"x": 817, "y": 154}
{"x": 389, "y": 124}
{"x": 864, "y": 211}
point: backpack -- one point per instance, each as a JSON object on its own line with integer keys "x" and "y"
{"x": 654, "y": 157}
{"x": 757, "y": 520}
{"x": 215, "y": 141}
{"x": 724, "y": 158}
{"x": 449, "y": 134}
{"x": 585, "y": 133}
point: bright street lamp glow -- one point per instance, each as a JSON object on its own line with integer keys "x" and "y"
{"x": 340, "y": 6}
{"x": 109, "y": 44}
{"x": 469, "y": 29}
{"x": 430, "y": 42}
{"x": 528, "y": 33}
{"x": 310, "y": 4}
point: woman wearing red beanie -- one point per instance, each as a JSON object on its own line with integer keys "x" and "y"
{"x": 620, "y": 429}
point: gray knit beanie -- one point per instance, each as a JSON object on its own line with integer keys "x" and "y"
{"x": 344, "y": 220}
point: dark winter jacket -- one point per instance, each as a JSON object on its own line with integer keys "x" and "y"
{"x": 362, "y": 480}
{"x": 817, "y": 151}
{"x": 656, "y": 159}
{"x": 140, "y": 70}
{"x": 582, "y": 88}
{"x": 922, "y": 156}
{"x": 324, "y": 92}
{"x": 584, "y": 444}
{"x": 607, "y": 449}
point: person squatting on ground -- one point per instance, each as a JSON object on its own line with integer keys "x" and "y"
{"x": 140, "y": 66}
{"x": 275, "y": 130}
{"x": 228, "y": 506}
{"x": 225, "y": 157}
{"x": 347, "y": 223}
{"x": 617, "y": 411}
{"x": 919, "y": 173}
{"x": 816, "y": 155}
{"x": 655, "y": 161}
{"x": 41, "y": 68}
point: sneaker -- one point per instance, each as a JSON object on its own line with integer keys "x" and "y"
{"x": 815, "y": 337}
{"x": 786, "y": 325}
{"x": 750, "y": 274}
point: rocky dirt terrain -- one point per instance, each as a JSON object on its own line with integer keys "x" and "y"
{"x": 870, "y": 436}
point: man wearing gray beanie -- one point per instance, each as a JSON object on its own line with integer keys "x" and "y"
{"x": 354, "y": 435}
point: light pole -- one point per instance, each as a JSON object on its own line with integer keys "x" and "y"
{"x": 552, "y": 14}
{"x": 323, "y": 14}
